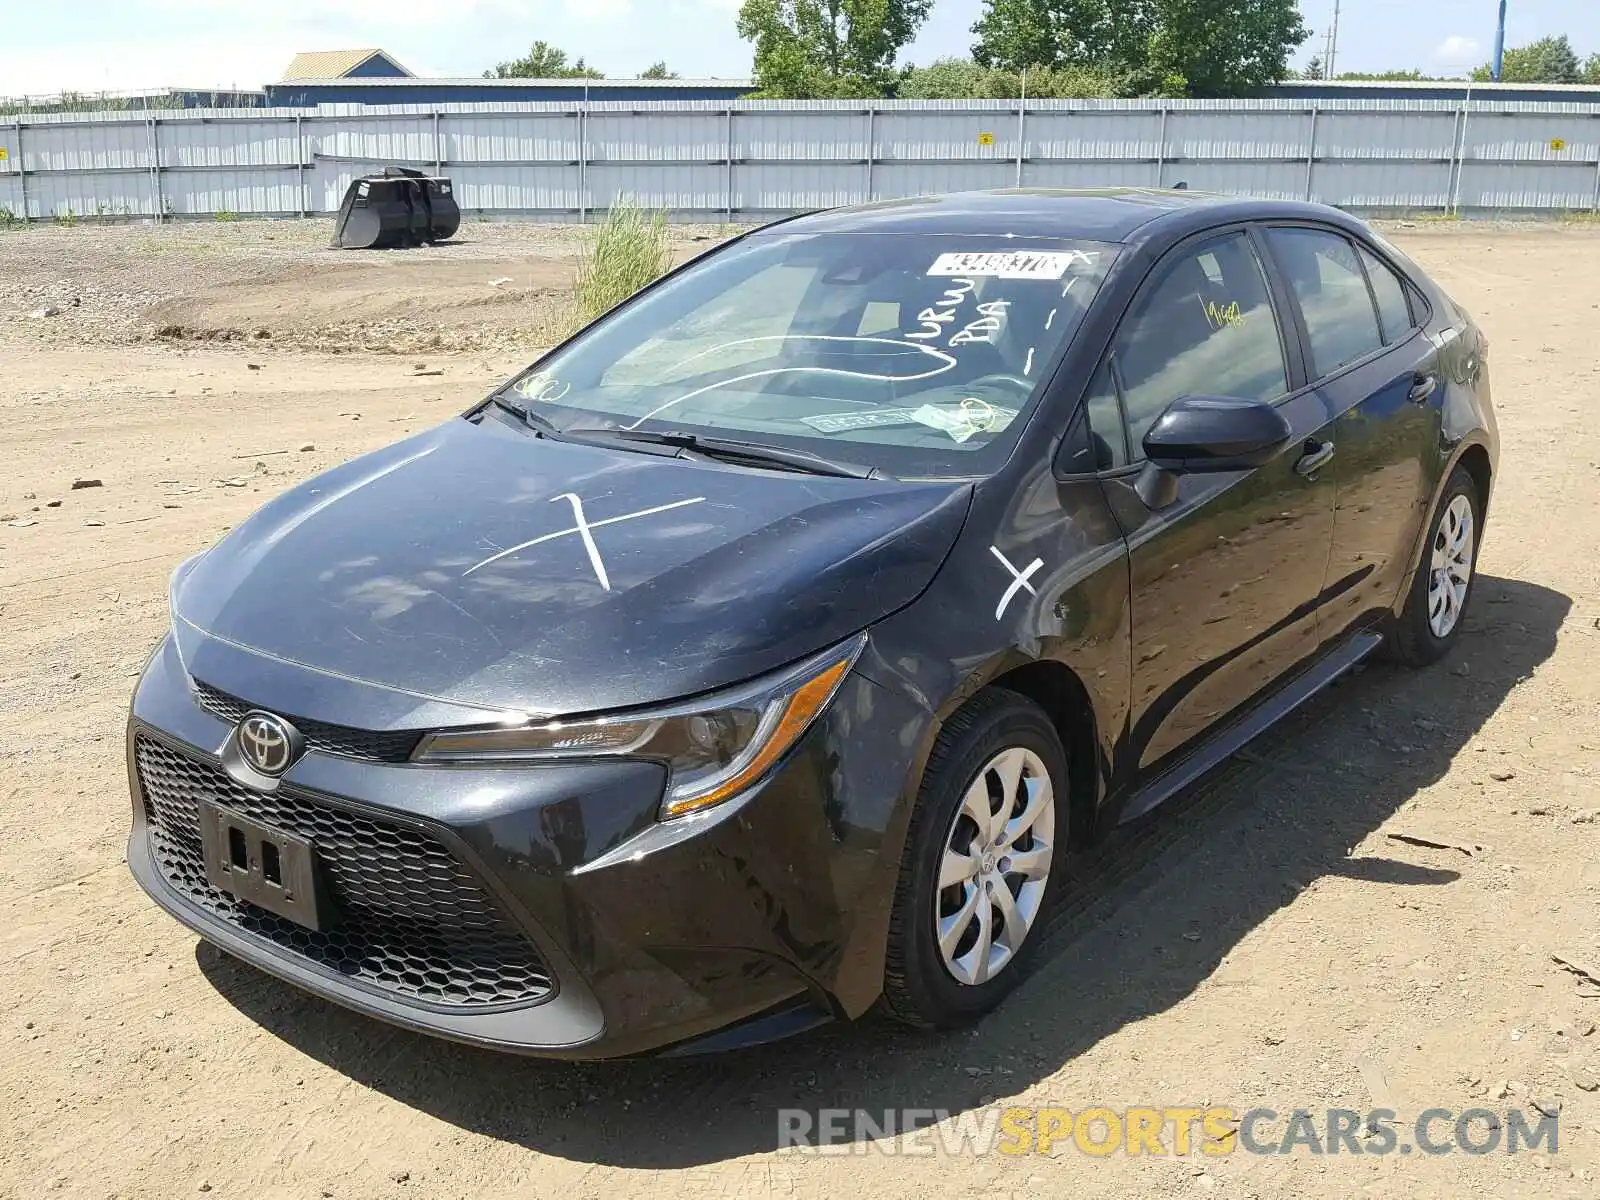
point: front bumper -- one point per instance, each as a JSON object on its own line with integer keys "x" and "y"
{"x": 543, "y": 909}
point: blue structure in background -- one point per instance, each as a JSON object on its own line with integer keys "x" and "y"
{"x": 1500, "y": 43}
{"x": 308, "y": 93}
{"x": 1450, "y": 89}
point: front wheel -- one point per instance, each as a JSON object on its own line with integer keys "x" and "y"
{"x": 985, "y": 841}
{"x": 1430, "y": 623}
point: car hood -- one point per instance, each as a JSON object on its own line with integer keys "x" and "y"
{"x": 474, "y": 565}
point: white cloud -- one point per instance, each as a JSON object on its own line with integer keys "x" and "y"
{"x": 1459, "y": 51}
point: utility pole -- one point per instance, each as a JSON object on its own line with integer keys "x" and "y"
{"x": 1500, "y": 42}
{"x": 1333, "y": 43}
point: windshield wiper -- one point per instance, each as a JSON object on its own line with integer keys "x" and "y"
{"x": 731, "y": 450}
{"x": 542, "y": 426}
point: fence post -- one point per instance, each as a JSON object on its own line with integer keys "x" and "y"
{"x": 872, "y": 146}
{"x": 303, "y": 201}
{"x": 1594, "y": 207}
{"x": 1459, "y": 167}
{"x": 157, "y": 204}
{"x": 438, "y": 147}
{"x": 1161, "y": 149}
{"x": 1022, "y": 130}
{"x": 1311, "y": 156}
{"x": 728, "y": 184}
{"x": 583, "y": 164}
{"x": 22, "y": 170}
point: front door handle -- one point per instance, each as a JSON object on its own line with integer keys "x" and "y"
{"x": 1423, "y": 387}
{"x": 1316, "y": 457}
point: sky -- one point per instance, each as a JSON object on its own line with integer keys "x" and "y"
{"x": 118, "y": 45}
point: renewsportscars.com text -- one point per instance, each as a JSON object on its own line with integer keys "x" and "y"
{"x": 1166, "y": 1130}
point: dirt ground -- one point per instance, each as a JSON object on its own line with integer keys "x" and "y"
{"x": 1266, "y": 940}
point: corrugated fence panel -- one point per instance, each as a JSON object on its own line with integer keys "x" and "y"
{"x": 264, "y": 143}
{"x": 1496, "y": 185}
{"x": 1521, "y": 137}
{"x": 509, "y": 138}
{"x": 1410, "y": 136}
{"x": 791, "y": 187}
{"x": 676, "y": 187}
{"x": 1237, "y": 135}
{"x": 92, "y": 194}
{"x": 407, "y": 141}
{"x": 945, "y": 135}
{"x": 563, "y": 159}
{"x": 550, "y": 190}
{"x": 89, "y": 146}
{"x": 1383, "y": 185}
{"x": 11, "y": 190}
{"x": 657, "y": 137}
{"x": 202, "y": 191}
{"x": 1094, "y": 135}
{"x": 787, "y": 134}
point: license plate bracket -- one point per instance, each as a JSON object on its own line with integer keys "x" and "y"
{"x": 260, "y": 865}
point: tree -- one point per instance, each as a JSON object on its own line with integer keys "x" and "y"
{"x": 1051, "y": 33}
{"x": 1549, "y": 60}
{"x": 1591, "y": 69}
{"x": 543, "y": 61}
{"x": 1184, "y": 47}
{"x": 1314, "y": 68}
{"x": 962, "y": 79}
{"x": 821, "y": 49}
{"x": 658, "y": 70}
{"x": 1410, "y": 75}
{"x": 1225, "y": 47}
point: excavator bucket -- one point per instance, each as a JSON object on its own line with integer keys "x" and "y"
{"x": 400, "y": 207}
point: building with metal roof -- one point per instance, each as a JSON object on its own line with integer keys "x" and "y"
{"x": 345, "y": 64}
{"x": 1431, "y": 89}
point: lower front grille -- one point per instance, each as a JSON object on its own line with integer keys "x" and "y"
{"x": 409, "y": 919}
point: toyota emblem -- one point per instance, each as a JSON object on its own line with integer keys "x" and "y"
{"x": 268, "y": 744}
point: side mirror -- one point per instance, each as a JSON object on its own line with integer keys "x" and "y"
{"x": 1215, "y": 433}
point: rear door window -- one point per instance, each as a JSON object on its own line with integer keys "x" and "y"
{"x": 1325, "y": 275}
{"x": 1390, "y": 293}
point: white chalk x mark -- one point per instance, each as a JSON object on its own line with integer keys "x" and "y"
{"x": 1019, "y": 580}
{"x": 584, "y": 529}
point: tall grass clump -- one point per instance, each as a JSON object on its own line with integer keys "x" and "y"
{"x": 628, "y": 250}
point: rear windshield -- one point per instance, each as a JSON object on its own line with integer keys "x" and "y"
{"x": 919, "y": 354}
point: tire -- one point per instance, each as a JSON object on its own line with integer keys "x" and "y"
{"x": 1419, "y": 635}
{"x": 996, "y": 731}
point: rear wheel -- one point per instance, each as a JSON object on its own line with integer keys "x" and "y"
{"x": 1430, "y": 623}
{"x": 984, "y": 845}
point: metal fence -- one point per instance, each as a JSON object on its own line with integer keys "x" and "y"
{"x": 747, "y": 159}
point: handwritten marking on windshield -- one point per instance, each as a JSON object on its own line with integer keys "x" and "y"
{"x": 991, "y": 319}
{"x": 946, "y": 362}
{"x": 584, "y": 529}
{"x": 543, "y": 386}
{"x": 1019, "y": 580}
{"x": 934, "y": 319}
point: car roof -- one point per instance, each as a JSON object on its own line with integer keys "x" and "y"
{"x": 1095, "y": 214}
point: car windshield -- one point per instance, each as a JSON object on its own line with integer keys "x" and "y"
{"x": 918, "y": 354}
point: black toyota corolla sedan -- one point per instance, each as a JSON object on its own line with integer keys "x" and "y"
{"x": 764, "y": 652}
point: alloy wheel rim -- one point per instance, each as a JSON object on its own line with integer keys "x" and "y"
{"x": 995, "y": 866}
{"x": 1451, "y": 567}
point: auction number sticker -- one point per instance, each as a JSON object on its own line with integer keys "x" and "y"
{"x": 1015, "y": 264}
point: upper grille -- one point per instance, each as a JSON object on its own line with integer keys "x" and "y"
{"x": 408, "y": 917}
{"x": 320, "y": 735}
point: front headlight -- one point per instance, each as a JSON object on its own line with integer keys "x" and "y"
{"x": 714, "y": 748}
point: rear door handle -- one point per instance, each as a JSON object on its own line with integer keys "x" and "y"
{"x": 1423, "y": 387}
{"x": 1316, "y": 457}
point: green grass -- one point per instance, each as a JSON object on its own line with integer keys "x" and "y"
{"x": 227, "y": 214}
{"x": 628, "y": 250}
{"x": 66, "y": 218}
